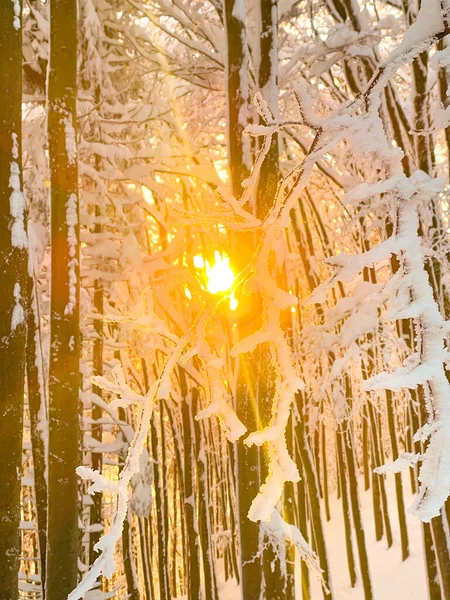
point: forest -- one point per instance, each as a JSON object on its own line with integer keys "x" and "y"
{"x": 225, "y": 299}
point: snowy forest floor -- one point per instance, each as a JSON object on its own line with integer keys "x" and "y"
{"x": 392, "y": 579}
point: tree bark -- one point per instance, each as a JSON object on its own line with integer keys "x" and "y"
{"x": 13, "y": 265}
{"x": 163, "y": 556}
{"x": 247, "y": 459}
{"x": 204, "y": 521}
{"x": 64, "y": 378}
{"x": 193, "y": 549}
{"x": 304, "y": 450}
{"x": 38, "y": 420}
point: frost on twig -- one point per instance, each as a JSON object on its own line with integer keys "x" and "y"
{"x": 278, "y": 532}
{"x": 431, "y": 333}
{"x": 148, "y": 320}
{"x": 406, "y": 459}
{"x": 214, "y": 386}
{"x": 406, "y": 195}
{"x": 104, "y": 564}
{"x": 281, "y": 466}
{"x": 125, "y": 395}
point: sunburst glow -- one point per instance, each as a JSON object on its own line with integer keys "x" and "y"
{"x": 220, "y": 276}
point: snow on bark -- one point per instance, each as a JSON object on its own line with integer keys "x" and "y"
{"x": 72, "y": 221}
{"x": 71, "y": 142}
{"x": 18, "y": 314}
{"x": 17, "y": 200}
{"x": 42, "y": 426}
{"x": 17, "y": 11}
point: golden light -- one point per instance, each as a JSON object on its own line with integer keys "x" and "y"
{"x": 199, "y": 261}
{"x": 220, "y": 276}
{"x": 148, "y": 196}
{"x": 233, "y": 302}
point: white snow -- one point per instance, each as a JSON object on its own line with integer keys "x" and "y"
{"x": 72, "y": 221}
{"x": 71, "y": 141}
{"x": 392, "y": 579}
{"x": 239, "y": 10}
{"x": 18, "y": 315}
{"x": 17, "y": 200}
{"x": 16, "y": 20}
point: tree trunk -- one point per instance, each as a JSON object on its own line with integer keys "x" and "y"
{"x": 204, "y": 520}
{"x": 163, "y": 556}
{"x": 95, "y": 516}
{"x": 356, "y": 513}
{"x": 247, "y": 459}
{"x": 193, "y": 549}
{"x": 340, "y": 441}
{"x": 38, "y": 420}
{"x": 304, "y": 449}
{"x": 13, "y": 265}
{"x": 127, "y": 538}
{"x": 398, "y": 477}
{"x": 64, "y": 378}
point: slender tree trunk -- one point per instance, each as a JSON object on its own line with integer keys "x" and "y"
{"x": 325, "y": 472}
{"x": 357, "y": 519}
{"x": 237, "y": 69}
{"x": 398, "y": 477}
{"x": 64, "y": 378}
{"x": 302, "y": 523}
{"x": 163, "y": 556}
{"x": 247, "y": 459}
{"x": 193, "y": 548}
{"x": 231, "y": 504}
{"x": 305, "y": 452}
{"x": 441, "y": 545}
{"x": 13, "y": 265}
{"x": 269, "y": 176}
{"x": 434, "y": 588}
{"x": 127, "y": 540}
{"x": 377, "y": 461}
{"x": 289, "y": 507}
{"x": 173, "y": 532}
{"x": 38, "y": 421}
{"x": 204, "y": 520}
{"x": 128, "y": 564}
{"x": 365, "y": 448}
{"x": 340, "y": 441}
{"x": 146, "y": 557}
{"x": 95, "y": 516}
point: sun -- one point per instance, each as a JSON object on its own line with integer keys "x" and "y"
{"x": 220, "y": 276}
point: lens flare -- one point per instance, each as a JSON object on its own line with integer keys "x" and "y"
{"x": 220, "y": 276}
{"x": 233, "y": 302}
{"x": 199, "y": 262}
